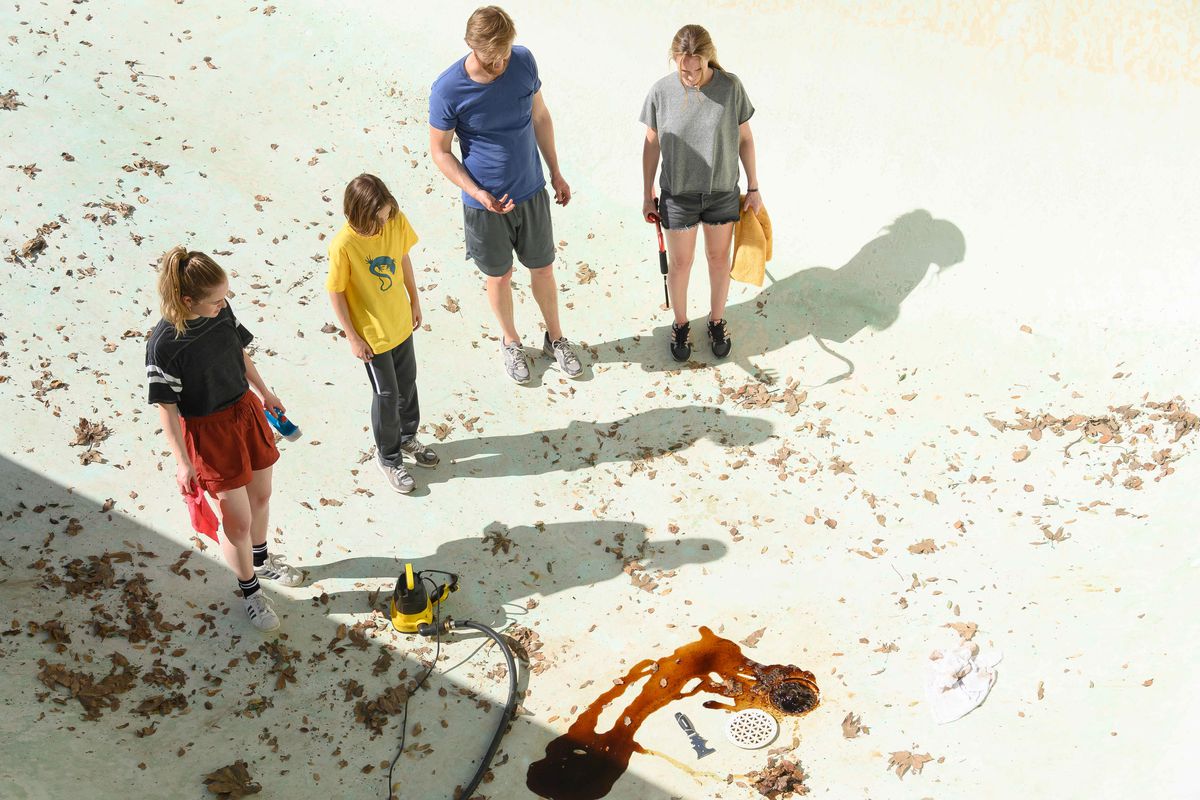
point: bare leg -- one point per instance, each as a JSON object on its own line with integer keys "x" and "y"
{"x": 258, "y": 492}
{"x": 717, "y": 241}
{"x": 234, "y": 507}
{"x": 545, "y": 292}
{"x": 681, "y": 250}
{"x": 499, "y": 292}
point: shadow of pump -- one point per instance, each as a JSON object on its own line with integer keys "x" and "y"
{"x": 300, "y": 739}
{"x": 830, "y": 305}
{"x": 582, "y": 444}
{"x": 504, "y": 565}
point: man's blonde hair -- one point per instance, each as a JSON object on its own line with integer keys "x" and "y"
{"x": 490, "y": 32}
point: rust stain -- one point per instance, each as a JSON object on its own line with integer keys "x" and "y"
{"x": 584, "y": 763}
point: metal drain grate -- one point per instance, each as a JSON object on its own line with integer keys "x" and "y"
{"x": 751, "y": 729}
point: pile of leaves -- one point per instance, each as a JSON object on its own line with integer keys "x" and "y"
{"x": 781, "y": 777}
{"x": 94, "y": 695}
{"x": 527, "y": 645}
{"x": 1135, "y": 433}
{"x": 757, "y": 395}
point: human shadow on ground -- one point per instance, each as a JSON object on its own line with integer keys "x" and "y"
{"x": 504, "y": 565}
{"x": 73, "y": 567}
{"x": 830, "y": 305}
{"x": 582, "y": 444}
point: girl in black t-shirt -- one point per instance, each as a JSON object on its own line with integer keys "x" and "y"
{"x": 200, "y": 376}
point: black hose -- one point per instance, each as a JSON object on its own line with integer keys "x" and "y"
{"x": 509, "y": 707}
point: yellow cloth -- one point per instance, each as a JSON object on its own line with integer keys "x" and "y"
{"x": 751, "y": 246}
{"x": 369, "y": 269}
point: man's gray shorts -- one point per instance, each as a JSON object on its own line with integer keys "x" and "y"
{"x": 492, "y": 238}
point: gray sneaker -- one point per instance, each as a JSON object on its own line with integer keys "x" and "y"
{"x": 516, "y": 363}
{"x": 398, "y": 477}
{"x": 423, "y": 456}
{"x": 563, "y": 354}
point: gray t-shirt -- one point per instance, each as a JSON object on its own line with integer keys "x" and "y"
{"x": 698, "y": 131}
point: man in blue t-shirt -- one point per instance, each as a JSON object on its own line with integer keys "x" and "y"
{"x": 492, "y": 99}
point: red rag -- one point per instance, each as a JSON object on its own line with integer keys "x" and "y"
{"x": 204, "y": 520}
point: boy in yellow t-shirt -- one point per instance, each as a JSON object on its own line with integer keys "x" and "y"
{"x": 377, "y": 304}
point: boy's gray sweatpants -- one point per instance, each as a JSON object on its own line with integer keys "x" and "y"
{"x": 395, "y": 413}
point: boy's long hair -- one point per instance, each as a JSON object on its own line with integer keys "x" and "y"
{"x": 185, "y": 273}
{"x": 365, "y": 197}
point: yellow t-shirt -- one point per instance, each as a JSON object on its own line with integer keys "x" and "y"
{"x": 369, "y": 270}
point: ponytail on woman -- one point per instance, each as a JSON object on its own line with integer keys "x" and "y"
{"x": 694, "y": 40}
{"x": 185, "y": 274}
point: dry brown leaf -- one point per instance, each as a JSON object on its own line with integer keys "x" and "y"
{"x": 923, "y": 547}
{"x": 88, "y": 433}
{"x": 232, "y": 782}
{"x": 852, "y": 726}
{"x": 752, "y": 639}
{"x": 904, "y": 761}
{"x": 585, "y": 274}
{"x": 964, "y": 629}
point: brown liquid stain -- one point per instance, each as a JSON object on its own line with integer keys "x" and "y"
{"x": 583, "y": 763}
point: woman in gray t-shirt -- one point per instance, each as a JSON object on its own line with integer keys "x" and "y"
{"x": 698, "y": 119}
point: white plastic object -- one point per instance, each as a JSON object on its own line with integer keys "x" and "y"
{"x": 751, "y": 729}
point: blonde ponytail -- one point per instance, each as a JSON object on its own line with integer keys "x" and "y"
{"x": 694, "y": 40}
{"x": 183, "y": 273}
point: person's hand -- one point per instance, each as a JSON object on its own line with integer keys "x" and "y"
{"x": 185, "y": 476}
{"x": 650, "y": 210}
{"x": 562, "y": 192}
{"x": 488, "y": 201}
{"x": 361, "y": 350}
{"x": 272, "y": 403}
{"x": 417, "y": 317}
{"x": 753, "y": 202}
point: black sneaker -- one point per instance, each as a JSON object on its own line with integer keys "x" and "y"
{"x": 719, "y": 338}
{"x": 681, "y": 348}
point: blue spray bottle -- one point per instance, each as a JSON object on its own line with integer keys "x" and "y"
{"x": 287, "y": 429}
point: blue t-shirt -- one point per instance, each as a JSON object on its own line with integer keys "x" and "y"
{"x": 494, "y": 122}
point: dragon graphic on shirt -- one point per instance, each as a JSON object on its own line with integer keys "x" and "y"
{"x": 382, "y": 267}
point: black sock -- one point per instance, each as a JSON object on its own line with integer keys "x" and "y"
{"x": 249, "y": 587}
{"x": 260, "y": 553}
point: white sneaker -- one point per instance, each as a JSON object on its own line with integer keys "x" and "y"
{"x": 516, "y": 362}
{"x": 278, "y": 570}
{"x": 259, "y": 610}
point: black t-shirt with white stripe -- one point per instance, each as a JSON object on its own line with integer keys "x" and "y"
{"x": 202, "y": 369}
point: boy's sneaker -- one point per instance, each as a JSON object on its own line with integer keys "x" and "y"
{"x": 718, "y": 337}
{"x": 516, "y": 363}
{"x": 259, "y": 610}
{"x": 278, "y": 570}
{"x": 681, "y": 348}
{"x": 563, "y": 354}
{"x": 398, "y": 477}
{"x": 422, "y": 455}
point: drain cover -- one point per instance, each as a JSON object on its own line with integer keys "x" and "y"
{"x": 751, "y": 729}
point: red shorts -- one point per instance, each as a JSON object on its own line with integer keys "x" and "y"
{"x": 227, "y": 446}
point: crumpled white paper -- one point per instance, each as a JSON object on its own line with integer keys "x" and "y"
{"x": 959, "y": 680}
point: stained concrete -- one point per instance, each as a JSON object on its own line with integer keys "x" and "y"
{"x": 979, "y": 212}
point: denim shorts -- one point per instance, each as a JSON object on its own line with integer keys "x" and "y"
{"x": 492, "y": 238}
{"x": 681, "y": 211}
